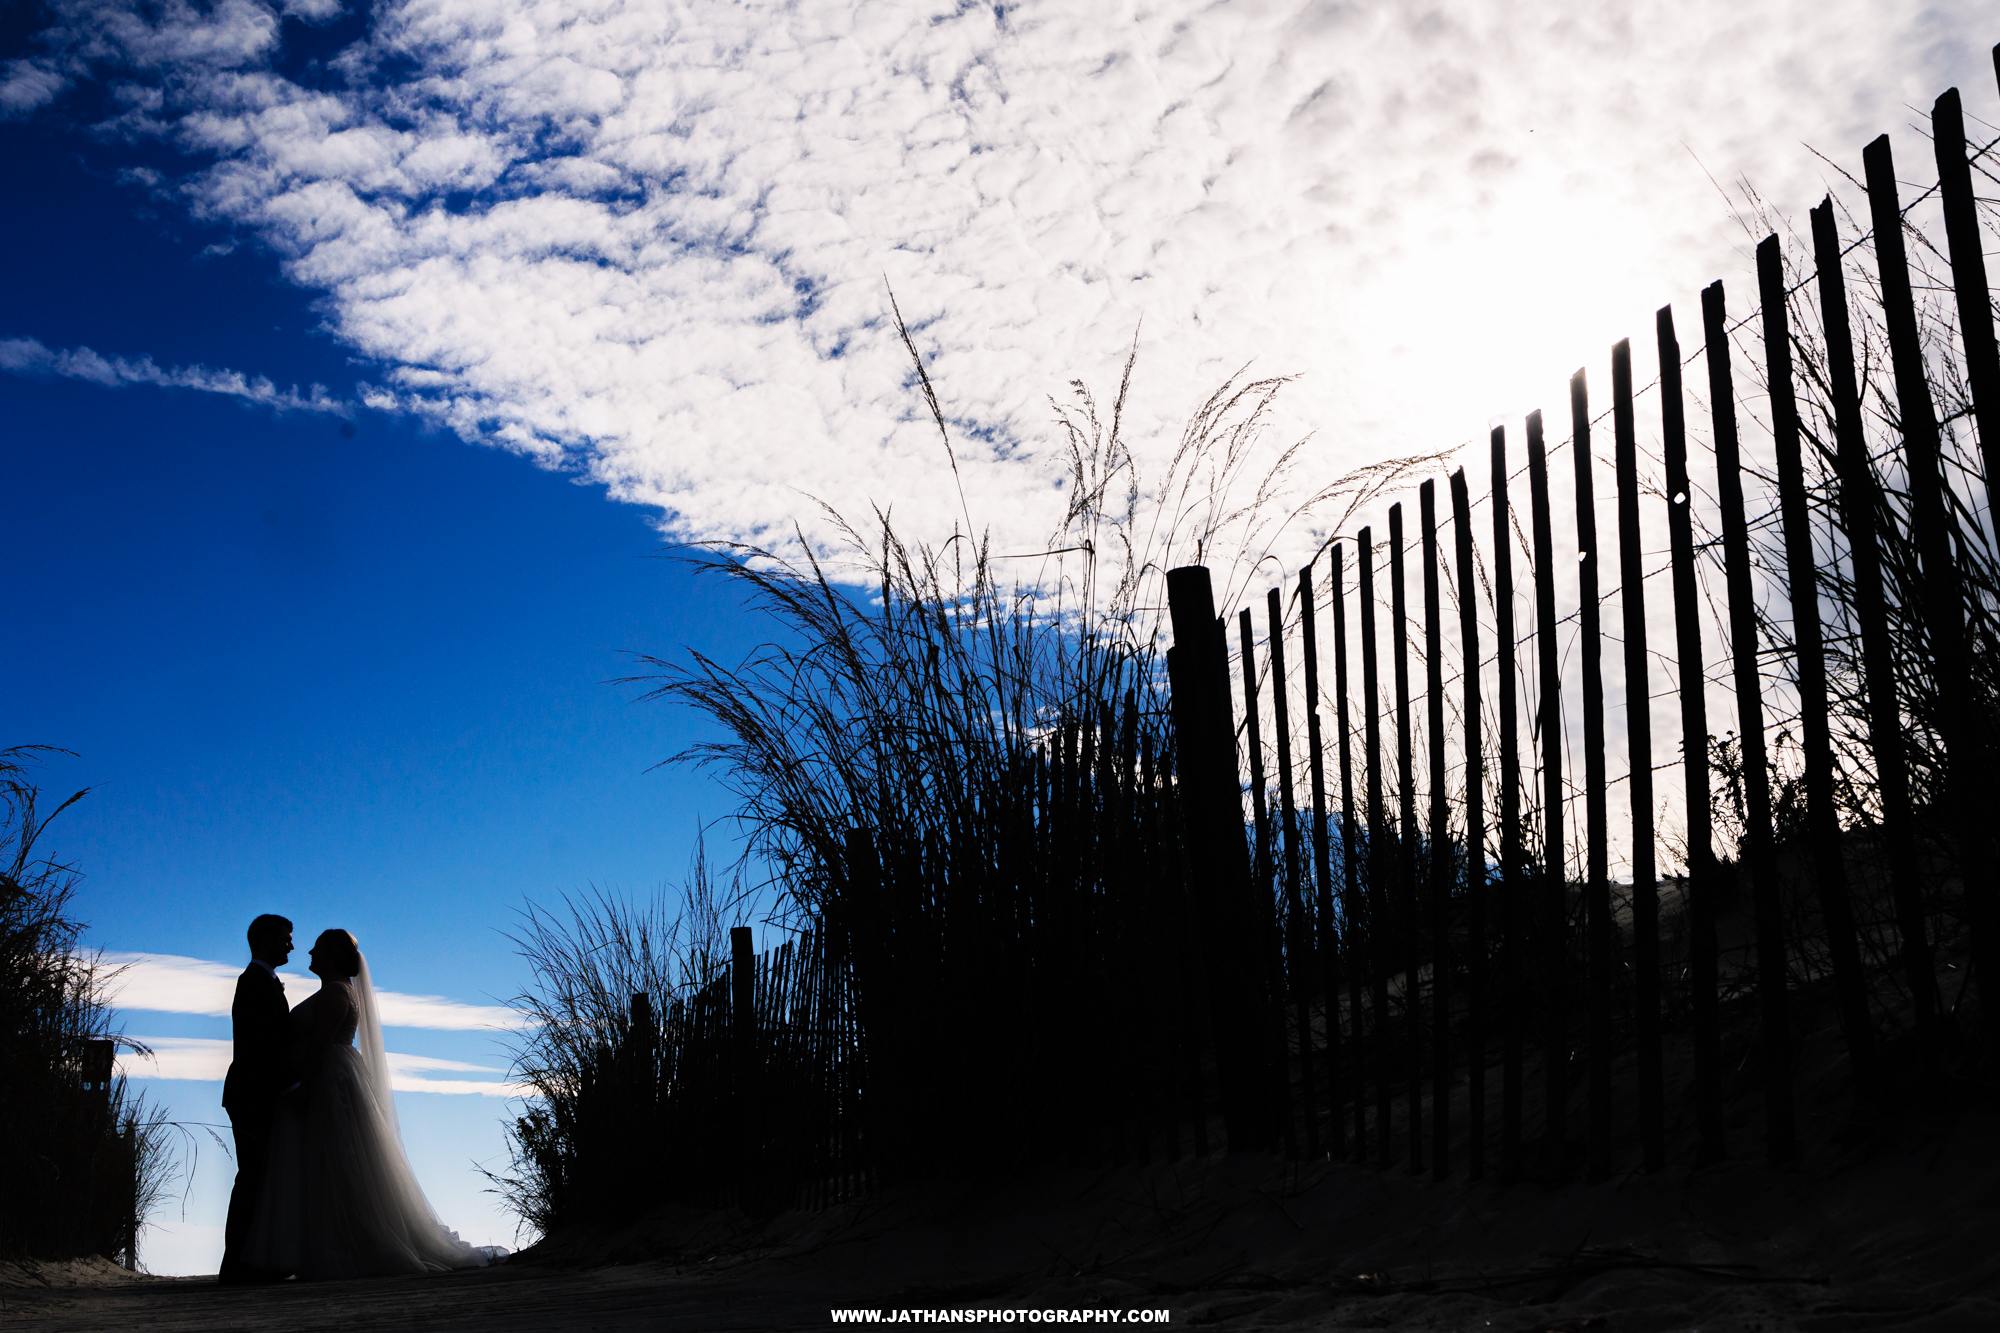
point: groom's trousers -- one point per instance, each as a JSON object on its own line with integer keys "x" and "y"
{"x": 252, "y": 1127}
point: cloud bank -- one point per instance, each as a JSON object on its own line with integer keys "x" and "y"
{"x": 170, "y": 983}
{"x": 206, "y": 1059}
{"x": 650, "y": 241}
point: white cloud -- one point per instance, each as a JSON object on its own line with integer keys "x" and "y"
{"x": 648, "y": 239}
{"x": 27, "y": 356}
{"x": 206, "y": 1059}
{"x": 170, "y": 983}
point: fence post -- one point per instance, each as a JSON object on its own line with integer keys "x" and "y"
{"x": 1602, "y": 942}
{"x": 1379, "y": 850}
{"x": 1475, "y": 841}
{"x": 1555, "y": 872}
{"x": 1440, "y": 837}
{"x": 1407, "y": 840}
{"x": 1822, "y": 820}
{"x": 1299, "y": 955}
{"x": 1198, "y": 668}
{"x": 1639, "y": 768}
{"x": 1968, "y": 280}
{"x": 1858, "y": 502}
{"x": 1511, "y": 942}
{"x": 1703, "y": 1000}
{"x": 1269, "y": 947}
{"x": 1932, "y": 527}
{"x": 1774, "y": 1033}
{"x": 1329, "y": 972}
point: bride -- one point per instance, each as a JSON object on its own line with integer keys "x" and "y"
{"x": 339, "y": 1199}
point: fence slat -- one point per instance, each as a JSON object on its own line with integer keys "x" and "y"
{"x": 1350, "y": 857}
{"x": 1380, "y": 872}
{"x": 1298, "y": 955}
{"x": 1601, "y": 943}
{"x": 1512, "y": 933}
{"x": 1475, "y": 840}
{"x": 1639, "y": 769}
{"x": 1934, "y": 533}
{"x": 1407, "y": 840}
{"x": 1774, "y": 1030}
{"x": 1555, "y": 887}
{"x": 1440, "y": 839}
{"x": 1968, "y": 280}
{"x": 1829, "y": 871}
{"x": 1858, "y": 502}
{"x": 1329, "y": 969}
{"x": 1701, "y": 886}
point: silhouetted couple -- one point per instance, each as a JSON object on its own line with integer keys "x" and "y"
{"x": 323, "y": 1189}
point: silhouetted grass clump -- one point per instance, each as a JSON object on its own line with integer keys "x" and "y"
{"x": 80, "y": 1166}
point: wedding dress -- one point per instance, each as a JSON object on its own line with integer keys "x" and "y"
{"x": 340, "y": 1199}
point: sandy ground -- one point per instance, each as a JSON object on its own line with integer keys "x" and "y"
{"x": 1903, "y": 1235}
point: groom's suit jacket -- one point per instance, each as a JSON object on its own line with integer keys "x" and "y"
{"x": 259, "y": 1021}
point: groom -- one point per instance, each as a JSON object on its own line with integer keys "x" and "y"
{"x": 258, "y": 1076}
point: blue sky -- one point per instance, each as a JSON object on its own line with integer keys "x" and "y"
{"x": 350, "y": 671}
{"x": 359, "y": 360}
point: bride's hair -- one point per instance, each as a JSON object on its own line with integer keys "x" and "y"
{"x": 342, "y": 950}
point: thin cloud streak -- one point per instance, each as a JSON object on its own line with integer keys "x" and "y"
{"x": 27, "y": 356}
{"x": 171, "y": 983}
{"x": 206, "y": 1059}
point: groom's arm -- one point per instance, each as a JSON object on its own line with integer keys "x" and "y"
{"x": 258, "y": 1019}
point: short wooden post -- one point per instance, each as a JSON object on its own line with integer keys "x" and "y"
{"x": 1829, "y": 871}
{"x": 1966, "y": 748}
{"x": 1858, "y": 501}
{"x": 1774, "y": 1033}
{"x": 1639, "y": 770}
{"x": 1439, "y": 888}
{"x": 1299, "y": 937}
{"x": 1407, "y": 841}
{"x": 1512, "y": 935}
{"x": 1703, "y": 1000}
{"x": 1218, "y": 864}
{"x": 1381, "y": 869}
{"x": 1602, "y": 947}
{"x": 1555, "y": 872}
{"x": 1475, "y": 839}
{"x": 743, "y": 983}
{"x": 1329, "y": 958}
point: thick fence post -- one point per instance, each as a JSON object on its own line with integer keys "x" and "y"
{"x": 1511, "y": 931}
{"x": 1475, "y": 840}
{"x": 1968, "y": 281}
{"x": 1639, "y": 769}
{"x": 1407, "y": 840}
{"x": 1703, "y": 999}
{"x": 1858, "y": 502}
{"x": 1774, "y": 1032}
{"x": 1381, "y": 874}
{"x": 1822, "y": 820}
{"x": 1439, "y": 894}
{"x": 1299, "y": 955}
{"x": 1212, "y": 806}
{"x": 1555, "y": 875}
{"x": 1602, "y": 941}
{"x": 1329, "y": 961}
{"x": 1965, "y": 745}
